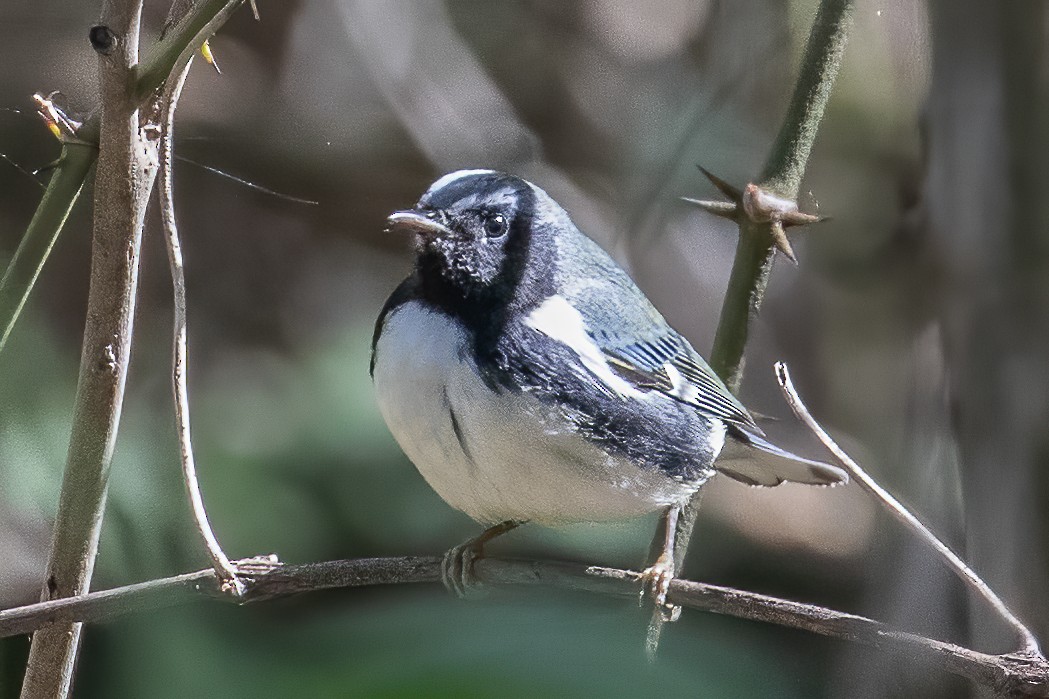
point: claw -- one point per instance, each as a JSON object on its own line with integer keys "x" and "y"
{"x": 457, "y": 568}
{"x": 457, "y": 564}
{"x": 655, "y": 581}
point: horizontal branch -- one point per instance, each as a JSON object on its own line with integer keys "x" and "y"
{"x": 1014, "y": 674}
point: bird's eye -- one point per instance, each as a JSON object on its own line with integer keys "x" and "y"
{"x": 495, "y": 225}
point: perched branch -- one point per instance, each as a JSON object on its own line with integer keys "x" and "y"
{"x": 127, "y": 162}
{"x": 25, "y": 266}
{"x": 758, "y": 240}
{"x": 1028, "y": 643}
{"x": 1012, "y": 674}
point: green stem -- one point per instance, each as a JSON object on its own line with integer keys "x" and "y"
{"x": 187, "y": 35}
{"x": 819, "y": 68}
{"x": 746, "y": 288}
{"x": 781, "y": 176}
{"x": 51, "y": 214}
{"x": 755, "y": 252}
{"x": 180, "y": 42}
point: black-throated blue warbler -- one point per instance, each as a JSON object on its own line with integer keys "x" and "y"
{"x": 530, "y": 380}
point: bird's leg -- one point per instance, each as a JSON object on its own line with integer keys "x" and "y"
{"x": 457, "y": 565}
{"x": 655, "y": 579}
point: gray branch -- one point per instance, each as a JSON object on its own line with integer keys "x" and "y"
{"x": 1013, "y": 674}
{"x": 127, "y": 165}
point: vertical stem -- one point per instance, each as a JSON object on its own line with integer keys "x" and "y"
{"x": 127, "y": 165}
{"x": 819, "y": 68}
{"x": 755, "y": 252}
{"x": 746, "y": 290}
{"x": 781, "y": 176}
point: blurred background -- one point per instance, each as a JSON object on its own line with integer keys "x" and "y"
{"x": 916, "y": 326}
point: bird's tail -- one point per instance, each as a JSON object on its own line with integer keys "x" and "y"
{"x": 749, "y": 458}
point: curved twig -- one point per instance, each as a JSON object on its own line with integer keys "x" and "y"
{"x": 180, "y": 360}
{"x": 1029, "y": 644}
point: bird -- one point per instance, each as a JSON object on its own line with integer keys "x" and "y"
{"x": 529, "y": 379}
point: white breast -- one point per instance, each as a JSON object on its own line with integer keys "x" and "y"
{"x": 496, "y": 455}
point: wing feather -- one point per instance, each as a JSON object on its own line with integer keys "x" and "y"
{"x": 669, "y": 364}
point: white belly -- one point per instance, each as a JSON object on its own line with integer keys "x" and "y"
{"x": 497, "y": 456}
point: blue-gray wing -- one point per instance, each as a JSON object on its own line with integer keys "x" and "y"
{"x": 635, "y": 338}
{"x": 668, "y": 363}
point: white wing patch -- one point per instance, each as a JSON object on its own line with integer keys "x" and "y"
{"x": 559, "y": 320}
{"x": 682, "y": 388}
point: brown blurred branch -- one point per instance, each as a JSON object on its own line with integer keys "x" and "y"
{"x": 1013, "y": 674}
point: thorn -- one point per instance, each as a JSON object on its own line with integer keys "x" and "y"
{"x": 799, "y": 218}
{"x": 254, "y": 9}
{"x": 724, "y": 187}
{"x": 725, "y": 209}
{"x": 209, "y": 57}
{"x": 779, "y": 239}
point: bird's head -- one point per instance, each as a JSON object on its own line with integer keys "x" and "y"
{"x": 475, "y": 230}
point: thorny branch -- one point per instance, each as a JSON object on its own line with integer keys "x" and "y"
{"x": 123, "y": 182}
{"x": 760, "y": 236}
{"x": 127, "y": 165}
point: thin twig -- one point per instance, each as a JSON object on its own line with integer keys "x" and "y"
{"x": 1010, "y": 674}
{"x": 1029, "y": 644}
{"x": 180, "y": 361}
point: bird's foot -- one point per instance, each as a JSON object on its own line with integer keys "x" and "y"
{"x": 457, "y": 564}
{"x": 457, "y": 567}
{"x": 655, "y": 581}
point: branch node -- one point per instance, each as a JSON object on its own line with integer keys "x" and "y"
{"x": 102, "y": 39}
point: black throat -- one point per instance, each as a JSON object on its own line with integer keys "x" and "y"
{"x": 522, "y": 282}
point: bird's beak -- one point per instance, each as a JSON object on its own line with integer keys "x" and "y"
{"x": 414, "y": 222}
